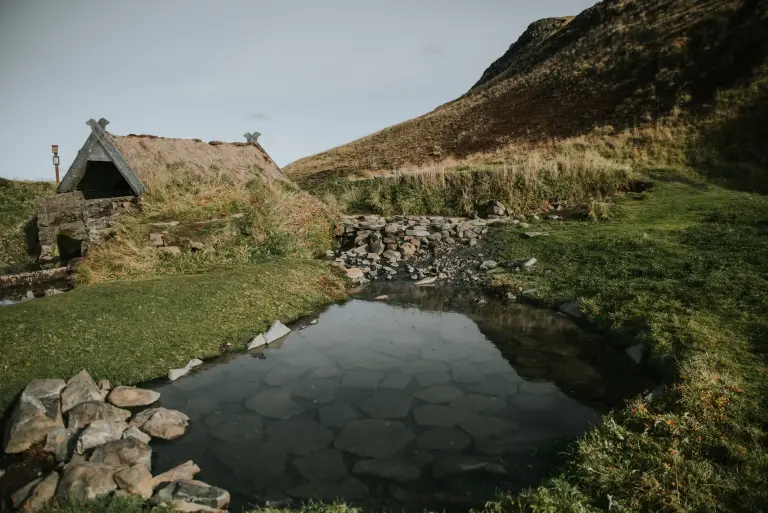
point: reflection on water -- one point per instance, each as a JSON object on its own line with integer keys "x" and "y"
{"x": 434, "y": 399}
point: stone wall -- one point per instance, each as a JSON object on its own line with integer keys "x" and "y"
{"x": 67, "y": 223}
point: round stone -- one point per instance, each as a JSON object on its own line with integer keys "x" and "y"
{"x": 438, "y": 415}
{"x": 373, "y": 438}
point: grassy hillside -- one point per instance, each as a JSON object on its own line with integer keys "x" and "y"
{"x": 620, "y": 64}
{"x": 17, "y": 204}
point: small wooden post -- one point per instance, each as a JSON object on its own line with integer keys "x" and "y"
{"x": 55, "y": 150}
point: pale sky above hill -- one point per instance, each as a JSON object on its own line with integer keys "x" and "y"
{"x": 307, "y": 74}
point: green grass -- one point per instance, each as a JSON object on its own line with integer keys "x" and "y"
{"x": 131, "y": 331}
{"x": 682, "y": 269}
{"x": 17, "y": 203}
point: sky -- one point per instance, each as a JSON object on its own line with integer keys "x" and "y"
{"x": 308, "y": 74}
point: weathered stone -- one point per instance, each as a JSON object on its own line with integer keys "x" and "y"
{"x": 166, "y": 424}
{"x": 426, "y": 281}
{"x": 417, "y": 233}
{"x": 197, "y": 492}
{"x": 28, "y": 425}
{"x": 61, "y": 443}
{"x": 636, "y": 353}
{"x": 337, "y": 414}
{"x": 19, "y": 497}
{"x": 174, "y": 374}
{"x": 283, "y": 375}
{"x": 277, "y": 331}
{"x": 156, "y": 240}
{"x": 41, "y": 494}
{"x": 408, "y": 250}
{"x": 123, "y": 453}
{"x": 136, "y": 480}
{"x": 348, "y": 489}
{"x": 104, "y": 384}
{"x": 387, "y": 404}
{"x": 392, "y": 228}
{"x": 391, "y": 255}
{"x": 432, "y": 378}
{"x": 438, "y": 415}
{"x": 99, "y": 432}
{"x": 480, "y": 403}
{"x": 274, "y": 403}
{"x": 374, "y": 438}
{"x": 362, "y": 379}
{"x": 324, "y": 465}
{"x": 299, "y": 436}
{"x": 488, "y": 265}
{"x": 355, "y": 274}
{"x": 261, "y": 461}
{"x": 138, "y": 434}
{"x": 256, "y": 342}
{"x": 83, "y": 481}
{"x": 129, "y": 397}
{"x": 329, "y": 371}
{"x": 187, "y": 470}
{"x": 79, "y": 389}
{"x": 571, "y": 309}
{"x": 170, "y": 250}
{"x": 390, "y": 469}
{"x": 452, "y": 464}
{"x": 85, "y": 413}
{"x": 532, "y": 235}
{"x": 439, "y": 394}
{"x": 441, "y": 439}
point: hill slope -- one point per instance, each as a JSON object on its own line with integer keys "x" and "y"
{"x": 621, "y": 63}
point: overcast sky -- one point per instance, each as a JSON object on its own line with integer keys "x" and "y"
{"x": 308, "y": 74}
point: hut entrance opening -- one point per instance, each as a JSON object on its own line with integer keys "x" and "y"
{"x": 103, "y": 180}
{"x": 69, "y": 247}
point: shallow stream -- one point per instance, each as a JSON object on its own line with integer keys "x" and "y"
{"x": 433, "y": 398}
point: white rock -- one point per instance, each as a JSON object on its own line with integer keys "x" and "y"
{"x": 427, "y": 281}
{"x": 257, "y": 342}
{"x": 98, "y": 433}
{"x": 276, "y": 332}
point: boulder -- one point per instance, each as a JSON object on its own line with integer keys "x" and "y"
{"x": 130, "y": 397}
{"x": 355, "y": 274}
{"x": 85, "y": 413}
{"x": 29, "y": 424}
{"x": 80, "y": 389}
{"x": 99, "y": 433}
{"x": 187, "y": 470}
{"x": 408, "y": 250}
{"x": 61, "y": 443}
{"x": 19, "y": 497}
{"x": 123, "y": 453}
{"x": 138, "y": 434}
{"x": 194, "y": 492}
{"x": 136, "y": 480}
{"x": 41, "y": 494}
{"x": 166, "y": 424}
{"x": 83, "y": 481}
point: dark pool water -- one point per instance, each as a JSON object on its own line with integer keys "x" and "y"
{"x": 435, "y": 398}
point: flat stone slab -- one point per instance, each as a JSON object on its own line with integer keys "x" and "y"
{"x": 466, "y": 372}
{"x": 277, "y": 331}
{"x": 456, "y": 464}
{"x": 166, "y": 424}
{"x": 439, "y": 394}
{"x": 387, "y": 404}
{"x": 362, "y": 379}
{"x": 329, "y": 371}
{"x": 484, "y": 426}
{"x": 275, "y": 403}
{"x": 348, "y": 489}
{"x": 299, "y": 436}
{"x": 337, "y": 414}
{"x": 494, "y": 386}
{"x": 396, "y": 381}
{"x": 317, "y": 390}
{"x": 229, "y": 427}
{"x": 129, "y": 397}
{"x": 390, "y": 469}
{"x": 480, "y": 403}
{"x": 373, "y": 438}
{"x": 438, "y": 415}
{"x": 432, "y": 378}
{"x": 254, "y": 459}
{"x": 280, "y": 376}
{"x": 441, "y": 439}
{"x": 324, "y": 465}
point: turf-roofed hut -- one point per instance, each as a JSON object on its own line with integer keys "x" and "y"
{"x": 111, "y": 173}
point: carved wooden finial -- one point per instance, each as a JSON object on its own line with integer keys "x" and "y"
{"x": 252, "y": 138}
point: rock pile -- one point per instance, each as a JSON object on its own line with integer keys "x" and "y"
{"x": 101, "y": 448}
{"x": 376, "y": 247}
